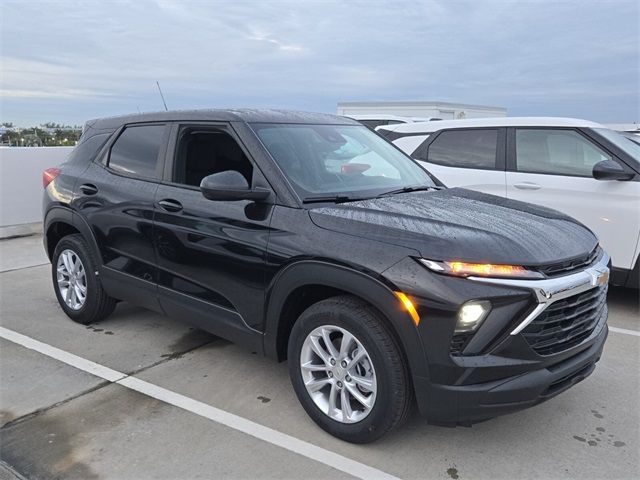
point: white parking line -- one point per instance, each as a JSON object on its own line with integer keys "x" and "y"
{"x": 274, "y": 437}
{"x": 63, "y": 356}
{"x": 625, "y": 331}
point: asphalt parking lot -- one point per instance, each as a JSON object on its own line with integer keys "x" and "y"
{"x": 142, "y": 396}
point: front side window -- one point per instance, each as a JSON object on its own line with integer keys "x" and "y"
{"x": 202, "y": 152}
{"x": 465, "y": 149}
{"x": 556, "y": 151}
{"x": 136, "y": 150}
{"x": 338, "y": 159}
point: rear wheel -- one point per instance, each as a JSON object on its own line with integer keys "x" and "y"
{"x": 76, "y": 283}
{"x": 347, "y": 370}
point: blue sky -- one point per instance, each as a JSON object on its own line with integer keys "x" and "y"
{"x": 67, "y": 61}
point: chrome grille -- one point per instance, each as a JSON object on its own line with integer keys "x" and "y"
{"x": 567, "y": 322}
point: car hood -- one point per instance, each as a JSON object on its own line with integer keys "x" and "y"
{"x": 460, "y": 224}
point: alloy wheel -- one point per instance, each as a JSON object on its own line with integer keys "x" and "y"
{"x": 338, "y": 374}
{"x": 72, "y": 279}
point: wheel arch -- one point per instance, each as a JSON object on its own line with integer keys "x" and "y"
{"x": 315, "y": 280}
{"x": 62, "y": 221}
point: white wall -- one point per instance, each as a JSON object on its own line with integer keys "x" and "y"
{"x": 21, "y": 181}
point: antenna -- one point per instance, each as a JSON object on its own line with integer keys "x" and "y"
{"x": 162, "y": 96}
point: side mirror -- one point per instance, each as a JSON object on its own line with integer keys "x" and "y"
{"x": 230, "y": 185}
{"x": 610, "y": 170}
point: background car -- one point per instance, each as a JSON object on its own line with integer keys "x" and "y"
{"x": 375, "y": 121}
{"x": 634, "y": 137}
{"x": 575, "y": 166}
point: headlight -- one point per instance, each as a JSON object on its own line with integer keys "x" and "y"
{"x": 471, "y": 315}
{"x": 464, "y": 269}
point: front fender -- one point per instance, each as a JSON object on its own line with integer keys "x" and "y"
{"x": 373, "y": 290}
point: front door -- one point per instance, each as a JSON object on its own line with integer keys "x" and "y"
{"x": 211, "y": 254}
{"x": 553, "y": 167}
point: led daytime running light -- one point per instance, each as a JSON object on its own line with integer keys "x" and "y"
{"x": 466, "y": 269}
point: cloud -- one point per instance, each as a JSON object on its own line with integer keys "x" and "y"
{"x": 280, "y": 45}
{"x": 100, "y": 58}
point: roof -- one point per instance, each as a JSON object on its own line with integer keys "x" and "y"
{"x": 422, "y": 103}
{"x": 433, "y": 126}
{"x": 231, "y": 115}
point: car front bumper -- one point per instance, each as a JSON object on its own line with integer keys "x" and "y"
{"x": 505, "y": 366}
{"x": 468, "y": 404}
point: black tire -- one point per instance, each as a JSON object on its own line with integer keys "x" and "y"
{"x": 394, "y": 396}
{"x": 98, "y": 305}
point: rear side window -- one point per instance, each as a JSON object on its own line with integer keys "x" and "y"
{"x": 88, "y": 149}
{"x": 559, "y": 152}
{"x": 136, "y": 150}
{"x": 465, "y": 148}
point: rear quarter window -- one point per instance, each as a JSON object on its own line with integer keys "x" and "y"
{"x": 410, "y": 143}
{"x": 87, "y": 150}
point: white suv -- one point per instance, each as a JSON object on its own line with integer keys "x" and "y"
{"x": 578, "y": 167}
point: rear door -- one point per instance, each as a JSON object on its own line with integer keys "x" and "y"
{"x": 470, "y": 158}
{"x": 115, "y": 196}
{"x": 553, "y": 167}
{"x": 211, "y": 254}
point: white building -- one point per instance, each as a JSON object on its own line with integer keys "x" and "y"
{"x": 422, "y": 110}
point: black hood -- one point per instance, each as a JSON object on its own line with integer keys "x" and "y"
{"x": 460, "y": 224}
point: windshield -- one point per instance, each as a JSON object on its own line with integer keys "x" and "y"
{"x": 339, "y": 160}
{"x": 622, "y": 142}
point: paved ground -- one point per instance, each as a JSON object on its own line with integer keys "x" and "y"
{"x": 62, "y": 422}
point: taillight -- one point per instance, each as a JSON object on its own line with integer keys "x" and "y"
{"x": 49, "y": 175}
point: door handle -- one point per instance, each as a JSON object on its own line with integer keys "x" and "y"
{"x": 88, "y": 189}
{"x": 527, "y": 186}
{"x": 170, "y": 205}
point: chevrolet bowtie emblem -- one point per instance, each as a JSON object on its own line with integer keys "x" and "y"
{"x": 603, "y": 279}
{"x": 546, "y": 294}
{"x": 600, "y": 278}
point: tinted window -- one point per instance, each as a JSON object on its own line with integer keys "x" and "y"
{"x": 87, "y": 149}
{"x": 560, "y": 152}
{"x": 204, "y": 152}
{"x": 136, "y": 151}
{"x": 465, "y": 148}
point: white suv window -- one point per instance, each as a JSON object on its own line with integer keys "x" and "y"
{"x": 559, "y": 152}
{"x": 465, "y": 148}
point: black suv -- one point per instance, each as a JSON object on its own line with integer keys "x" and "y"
{"x": 309, "y": 238}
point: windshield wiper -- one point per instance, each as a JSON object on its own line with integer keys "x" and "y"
{"x": 408, "y": 189}
{"x": 332, "y": 198}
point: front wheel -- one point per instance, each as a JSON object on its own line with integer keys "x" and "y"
{"x": 347, "y": 370}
